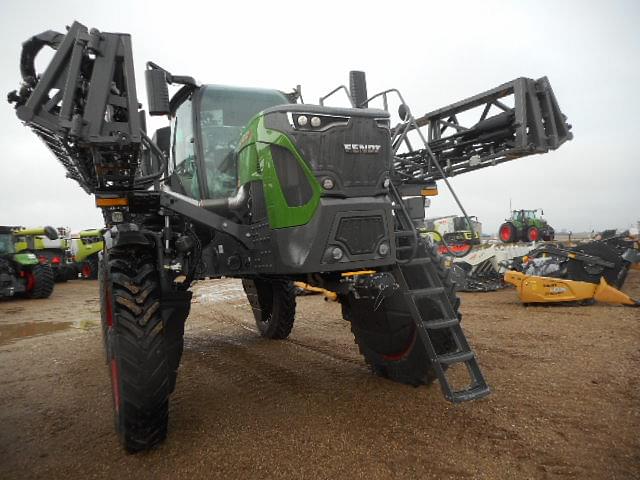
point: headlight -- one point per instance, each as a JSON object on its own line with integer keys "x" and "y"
{"x": 327, "y": 183}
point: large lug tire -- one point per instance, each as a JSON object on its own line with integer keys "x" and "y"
{"x": 508, "y": 233}
{"x": 40, "y": 281}
{"x": 143, "y": 348}
{"x": 274, "y": 306}
{"x": 89, "y": 268}
{"x": 387, "y": 337}
{"x": 533, "y": 234}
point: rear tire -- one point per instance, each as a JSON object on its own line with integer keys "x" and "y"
{"x": 274, "y": 306}
{"x": 141, "y": 347}
{"x": 42, "y": 277}
{"x": 387, "y": 337}
{"x": 508, "y": 232}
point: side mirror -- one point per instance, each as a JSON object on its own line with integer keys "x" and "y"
{"x": 51, "y": 233}
{"x": 542, "y": 212}
{"x": 403, "y": 111}
{"x": 157, "y": 92}
{"x": 162, "y": 139}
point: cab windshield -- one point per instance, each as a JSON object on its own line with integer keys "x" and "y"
{"x": 224, "y": 112}
{"x": 6, "y": 243}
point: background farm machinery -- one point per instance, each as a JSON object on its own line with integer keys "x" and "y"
{"x": 23, "y": 273}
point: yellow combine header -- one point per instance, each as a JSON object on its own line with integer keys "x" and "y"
{"x": 534, "y": 289}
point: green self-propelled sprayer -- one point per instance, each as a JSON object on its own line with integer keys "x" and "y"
{"x": 254, "y": 184}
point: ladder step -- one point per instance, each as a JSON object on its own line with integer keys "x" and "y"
{"x": 457, "y": 357}
{"x": 405, "y": 248}
{"x": 404, "y": 233}
{"x": 426, "y": 292}
{"x": 478, "y": 391}
{"x": 442, "y": 323}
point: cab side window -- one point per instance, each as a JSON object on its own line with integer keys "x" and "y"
{"x": 184, "y": 176}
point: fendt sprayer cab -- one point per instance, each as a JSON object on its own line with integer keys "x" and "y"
{"x": 311, "y": 211}
{"x": 258, "y": 185}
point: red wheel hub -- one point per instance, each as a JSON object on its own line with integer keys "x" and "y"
{"x": 505, "y": 233}
{"x": 534, "y": 234}
{"x": 86, "y": 270}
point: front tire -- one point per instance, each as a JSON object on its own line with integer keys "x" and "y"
{"x": 140, "y": 346}
{"x": 274, "y": 306}
{"x": 89, "y": 269}
{"x": 387, "y": 337}
{"x": 40, "y": 281}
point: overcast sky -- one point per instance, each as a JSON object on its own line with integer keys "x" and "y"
{"x": 434, "y": 52}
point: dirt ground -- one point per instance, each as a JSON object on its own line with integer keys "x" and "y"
{"x": 565, "y": 401}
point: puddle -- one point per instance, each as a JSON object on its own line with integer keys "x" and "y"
{"x": 12, "y": 332}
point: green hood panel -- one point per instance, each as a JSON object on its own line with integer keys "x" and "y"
{"x": 255, "y": 163}
{"x": 82, "y": 251}
{"x": 25, "y": 259}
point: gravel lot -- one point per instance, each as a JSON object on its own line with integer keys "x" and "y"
{"x": 565, "y": 401}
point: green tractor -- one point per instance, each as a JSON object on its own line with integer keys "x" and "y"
{"x": 526, "y": 226}
{"x": 22, "y": 273}
{"x": 50, "y": 246}
{"x": 85, "y": 249}
{"x": 257, "y": 185}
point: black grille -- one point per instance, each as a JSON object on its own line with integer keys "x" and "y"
{"x": 360, "y": 235}
{"x": 357, "y": 173}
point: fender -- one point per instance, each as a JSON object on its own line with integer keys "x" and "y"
{"x": 127, "y": 234}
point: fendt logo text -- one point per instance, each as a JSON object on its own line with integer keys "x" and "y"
{"x": 358, "y": 148}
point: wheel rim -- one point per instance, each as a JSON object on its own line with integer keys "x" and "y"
{"x": 533, "y": 234}
{"x": 399, "y": 356}
{"x": 115, "y": 385}
{"x": 31, "y": 281}
{"x": 505, "y": 233}
{"x": 86, "y": 270}
{"x": 115, "y": 373}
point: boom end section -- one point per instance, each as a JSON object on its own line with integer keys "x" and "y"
{"x": 84, "y": 105}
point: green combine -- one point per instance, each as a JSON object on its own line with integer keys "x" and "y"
{"x": 49, "y": 246}
{"x": 23, "y": 273}
{"x": 85, "y": 249}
